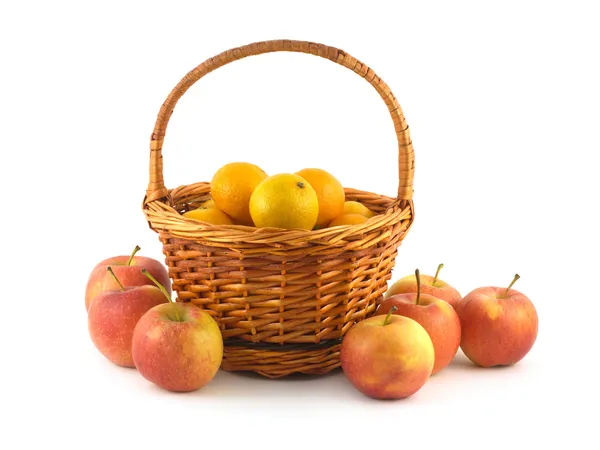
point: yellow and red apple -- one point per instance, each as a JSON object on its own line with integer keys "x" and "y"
{"x": 387, "y": 357}
{"x": 499, "y": 325}
{"x": 431, "y": 285}
{"x": 177, "y": 346}
{"x": 437, "y": 317}
{"x": 113, "y": 316}
{"x": 128, "y": 271}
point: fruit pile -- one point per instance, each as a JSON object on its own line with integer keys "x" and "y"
{"x": 134, "y": 323}
{"x": 415, "y": 332}
{"x": 419, "y": 327}
{"x": 243, "y": 194}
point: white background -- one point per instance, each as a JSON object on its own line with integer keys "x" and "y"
{"x": 502, "y": 102}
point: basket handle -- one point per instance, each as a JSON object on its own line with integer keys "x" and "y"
{"x": 156, "y": 188}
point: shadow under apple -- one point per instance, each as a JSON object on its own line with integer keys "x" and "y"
{"x": 461, "y": 362}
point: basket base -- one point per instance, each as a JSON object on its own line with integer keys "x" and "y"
{"x": 280, "y": 363}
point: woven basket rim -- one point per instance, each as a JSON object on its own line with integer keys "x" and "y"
{"x": 184, "y": 227}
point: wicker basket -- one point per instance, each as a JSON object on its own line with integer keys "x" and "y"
{"x": 283, "y": 298}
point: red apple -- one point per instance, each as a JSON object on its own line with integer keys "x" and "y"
{"x": 113, "y": 315}
{"x": 429, "y": 285}
{"x": 387, "y": 357}
{"x": 437, "y": 317}
{"x": 499, "y": 325}
{"x": 177, "y": 346}
{"x": 128, "y": 270}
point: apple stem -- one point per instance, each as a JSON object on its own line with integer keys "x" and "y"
{"x": 115, "y": 277}
{"x": 418, "y": 286}
{"x": 437, "y": 273}
{"x": 135, "y": 250}
{"x": 163, "y": 290}
{"x": 511, "y": 284}
{"x": 390, "y": 312}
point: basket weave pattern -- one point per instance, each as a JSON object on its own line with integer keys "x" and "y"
{"x": 283, "y": 298}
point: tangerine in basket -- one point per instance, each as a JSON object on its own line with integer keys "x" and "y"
{"x": 348, "y": 219}
{"x": 208, "y": 204}
{"x": 330, "y": 193}
{"x": 209, "y": 215}
{"x": 231, "y": 188}
{"x": 284, "y": 201}
{"x": 352, "y": 207}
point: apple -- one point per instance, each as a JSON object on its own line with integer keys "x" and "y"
{"x": 127, "y": 268}
{"x": 429, "y": 285}
{"x": 499, "y": 325}
{"x": 177, "y": 346}
{"x": 113, "y": 315}
{"x": 437, "y": 317}
{"x": 387, "y": 357}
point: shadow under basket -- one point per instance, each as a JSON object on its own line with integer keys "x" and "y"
{"x": 283, "y": 298}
